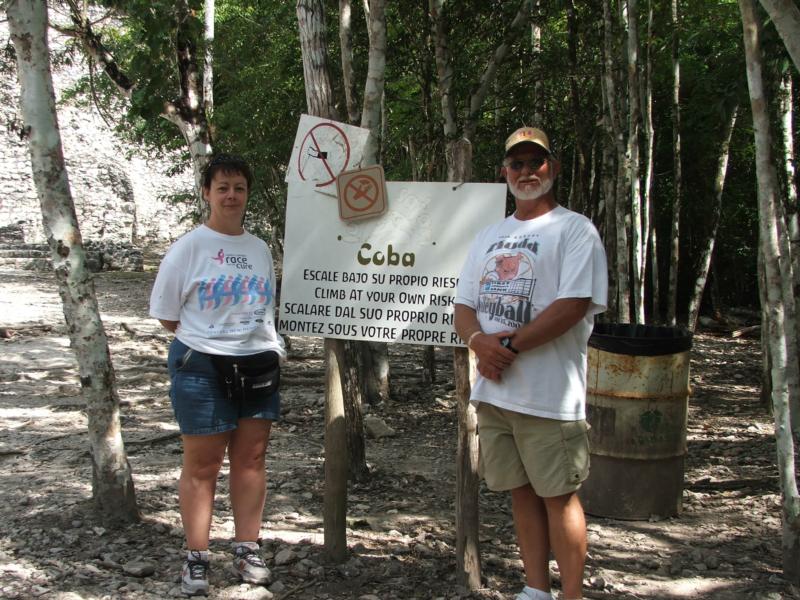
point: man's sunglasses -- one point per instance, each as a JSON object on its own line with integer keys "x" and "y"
{"x": 534, "y": 164}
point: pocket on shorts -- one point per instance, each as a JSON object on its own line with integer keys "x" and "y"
{"x": 575, "y": 438}
{"x": 182, "y": 361}
{"x": 178, "y": 357}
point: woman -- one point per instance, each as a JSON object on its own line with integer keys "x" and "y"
{"x": 215, "y": 291}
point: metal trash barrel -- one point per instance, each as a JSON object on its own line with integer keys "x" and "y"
{"x": 637, "y": 404}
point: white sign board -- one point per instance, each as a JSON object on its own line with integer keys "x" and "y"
{"x": 323, "y": 149}
{"x": 388, "y": 279}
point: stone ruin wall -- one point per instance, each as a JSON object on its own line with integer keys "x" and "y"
{"x": 117, "y": 188}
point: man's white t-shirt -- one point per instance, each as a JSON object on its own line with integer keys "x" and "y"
{"x": 515, "y": 269}
{"x": 222, "y": 290}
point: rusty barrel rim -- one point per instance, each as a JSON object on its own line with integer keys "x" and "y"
{"x": 640, "y": 340}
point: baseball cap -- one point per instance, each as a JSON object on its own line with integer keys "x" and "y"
{"x": 528, "y": 134}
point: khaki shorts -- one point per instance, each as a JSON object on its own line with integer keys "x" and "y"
{"x": 517, "y": 449}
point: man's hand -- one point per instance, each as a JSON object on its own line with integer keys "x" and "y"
{"x": 493, "y": 359}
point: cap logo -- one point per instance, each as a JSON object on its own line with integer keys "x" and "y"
{"x": 528, "y": 134}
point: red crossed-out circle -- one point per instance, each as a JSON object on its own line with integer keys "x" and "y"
{"x": 311, "y": 146}
{"x": 361, "y": 193}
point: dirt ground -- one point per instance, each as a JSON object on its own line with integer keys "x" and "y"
{"x": 724, "y": 545}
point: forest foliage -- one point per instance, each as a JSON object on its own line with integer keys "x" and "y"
{"x": 552, "y": 80}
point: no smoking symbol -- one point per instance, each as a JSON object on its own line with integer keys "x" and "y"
{"x": 361, "y": 193}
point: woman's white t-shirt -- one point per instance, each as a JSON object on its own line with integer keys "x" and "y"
{"x": 222, "y": 290}
{"x": 515, "y": 269}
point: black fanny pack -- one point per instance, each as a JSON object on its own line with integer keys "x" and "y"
{"x": 241, "y": 377}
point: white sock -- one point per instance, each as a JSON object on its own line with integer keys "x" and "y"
{"x": 193, "y": 554}
{"x": 535, "y": 594}
{"x": 250, "y": 545}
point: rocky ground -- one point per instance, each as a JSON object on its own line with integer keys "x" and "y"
{"x": 725, "y": 544}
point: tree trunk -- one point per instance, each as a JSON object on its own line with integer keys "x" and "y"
{"x": 708, "y": 248}
{"x": 468, "y": 556}
{"x": 579, "y": 189}
{"x": 319, "y": 92}
{"x": 112, "y": 483}
{"x": 766, "y": 357}
{"x": 610, "y": 238}
{"x": 674, "y": 239}
{"x": 334, "y": 509}
{"x": 344, "y": 434}
{"x": 373, "y": 87}
{"x": 375, "y": 355}
{"x": 790, "y": 174}
{"x": 649, "y": 222}
{"x": 346, "y": 48}
{"x": 780, "y": 296}
{"x": 458, "y": 157}
{"x": 468, "y": 550}
{"x": 648, "y": 229}
{"x": 208, "y": 65}
{"x": 536, "y": 64}
{"x": 786, "y": 16}
{"x": 638, "y": 237}
{"x": 614, "y": 128}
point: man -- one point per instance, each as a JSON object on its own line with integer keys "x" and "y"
{"x": 525, "y": 306}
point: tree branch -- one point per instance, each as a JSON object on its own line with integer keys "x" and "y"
{"x": 94, "y": 46}
{"x": 786, "y": 17}
{"x": 490, "y": 73}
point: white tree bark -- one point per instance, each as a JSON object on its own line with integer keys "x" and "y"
{"x": 608, "y": 187}
{"x": 675, "y": 230}
{"x": 780, "y": 297}
{"x": 638, "y": 236}
{"x": 375, "y": 355}
{"x": 617, "y": 135}
{"x": 346, "y": 48}
{"x": 786, "y": 16}
{"x": 208, "y": 65}
{"x": 373, "y": 86}
{"x": 112, "y": 484}
{"x": 790, "y": 173}
{"x": 648, "y": 226}
{"x": 536, "y": 60}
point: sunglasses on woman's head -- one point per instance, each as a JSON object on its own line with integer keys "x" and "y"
{"x": 534, "y": 164}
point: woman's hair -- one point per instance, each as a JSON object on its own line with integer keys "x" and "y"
{"x": 227, "y": 163}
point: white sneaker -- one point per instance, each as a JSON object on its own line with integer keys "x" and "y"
{"x": 248, "y": 563}
{"x": 194, "y": 575}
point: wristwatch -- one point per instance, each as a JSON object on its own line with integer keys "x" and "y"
{"x": 506, "y": 343}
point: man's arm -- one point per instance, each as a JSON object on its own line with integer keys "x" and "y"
{"x": 552, "y": 322}
{"x": 169, "y": 325}
{"x": 492, "y": 357}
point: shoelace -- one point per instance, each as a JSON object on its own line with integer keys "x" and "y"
{"x": 197, "y": 566}
{"x": 250, "y": 556}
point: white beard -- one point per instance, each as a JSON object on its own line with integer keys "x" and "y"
{"x": 522, "y": 192}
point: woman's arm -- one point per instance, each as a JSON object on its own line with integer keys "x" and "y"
{"x": 169, "y": 325}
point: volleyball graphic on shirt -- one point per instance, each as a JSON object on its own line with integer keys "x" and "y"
{"x": 506, "y": 288}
